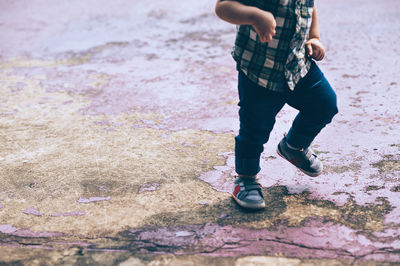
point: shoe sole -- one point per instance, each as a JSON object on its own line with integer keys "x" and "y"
{"x": 304, "y": 171}
{"x": 248, "y": 205}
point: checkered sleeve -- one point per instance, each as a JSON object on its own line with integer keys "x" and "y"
{"x": 281, "y": 62}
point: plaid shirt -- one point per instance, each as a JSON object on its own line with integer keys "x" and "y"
{"x": 283, "y": 60}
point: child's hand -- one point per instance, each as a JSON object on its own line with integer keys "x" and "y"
{"x": 264, "y": 23}
{"x": 315, "y": 49}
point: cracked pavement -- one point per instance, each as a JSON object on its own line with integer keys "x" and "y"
{"x": 117, "y": 125}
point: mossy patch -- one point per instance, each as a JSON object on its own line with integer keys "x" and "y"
{"x": 387, "y": 165}
{"x": 368, "y": 218}
{"x": 371, "y": 188}
{"x": 282, "y": 207}
{"x": 395, "y": 145}
{"x": 320, "y": 152}
{"x": 395, "y": 189}
{"x": 340, "y": 169}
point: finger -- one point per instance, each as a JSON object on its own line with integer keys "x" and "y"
{"x": 309, "y": 49}
{"x": 260, "y": 35}
{"x": 322, "y": 55}
{"x": 263, "y": 39}
{"x": 316, "y": 54}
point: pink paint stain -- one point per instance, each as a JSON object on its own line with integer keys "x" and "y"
{"x": 93, "y": 199}
{"x": 11, "y": 230}
{"x": 315, "y": 239}
{"x": 219, "y": 177}
{"x": 7, "y": 228}
{"x": 148, "y": 187}
{"x": 33, "y": 211}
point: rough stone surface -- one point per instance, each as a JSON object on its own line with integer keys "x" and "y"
{"x": 117, "y": 121}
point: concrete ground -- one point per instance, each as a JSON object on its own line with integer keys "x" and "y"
{"x": 117, "y": 121}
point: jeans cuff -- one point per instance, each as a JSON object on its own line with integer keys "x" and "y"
{"x": 299, "y": 142}
{"x": 247, "y": 166}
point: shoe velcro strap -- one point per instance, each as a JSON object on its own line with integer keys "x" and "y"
{"x": 243, "y": 194}
{"x": 255, "y": 186}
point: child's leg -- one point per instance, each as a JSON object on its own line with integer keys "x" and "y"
{"x": 316, "y": 101}
{"x": 258, "y": 108}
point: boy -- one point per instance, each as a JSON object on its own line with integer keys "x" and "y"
{"x": 275, "y": 44}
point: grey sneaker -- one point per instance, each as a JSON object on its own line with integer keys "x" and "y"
{"x": 247, "y": 193}
{"x": 305, "y": 159}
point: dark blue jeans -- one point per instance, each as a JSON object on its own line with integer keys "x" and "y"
{"x": 312, "y": 96}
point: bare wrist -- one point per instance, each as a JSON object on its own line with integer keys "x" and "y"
{"x": 316, "y": 38}
{"x": 253, "y": 15}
